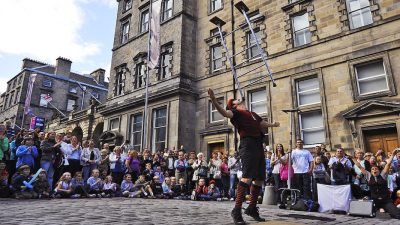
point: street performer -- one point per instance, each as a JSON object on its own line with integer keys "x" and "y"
{"x": 251, "y": 128}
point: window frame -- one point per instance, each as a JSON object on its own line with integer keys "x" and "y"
{"x": 211, "y": 6}
{"x": 119, "y": 87}
{"x": 110, "y": 123}
{"x": 71, "y": 88}
{"x": 322, "y": 129}
{"x": 153, "y": 127}
{"x": 385, "y": 75}
{"x": 165, "y": 11}
{"x": 42, "y": 101}
{"x": 311, "y": 90}
{"x": 221, "y": 101}
{"x": 127, "y": 5}
{"x": 47, "y": 83}
{"x": 163, "y": 74}
{"x": 132, "y": 131}
{"x": 139, "y": 78}
{"x": 213, "y": 59}
{"x": 349, "y": 13}
{"x": 295, "y": 33}
{"x": 142, "y": 17}
{"x": 125, "y": 35}
{"x": 250, "y": 46}
{"x": 70, "y": 109}
{"x": 250, "y": 102}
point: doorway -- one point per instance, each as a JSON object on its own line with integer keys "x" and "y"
{"x": 384, "y": 138}
{"x": 216, "y": 147}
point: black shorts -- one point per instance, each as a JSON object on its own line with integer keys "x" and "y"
{"x": 252, "y": 157}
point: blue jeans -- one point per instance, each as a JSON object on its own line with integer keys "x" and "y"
{"x": 48, "y": 166}
{"x": 232, "y": 181}
{"x": 86, "y": 170}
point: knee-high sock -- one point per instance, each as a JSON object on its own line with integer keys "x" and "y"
{"x": 240, "y": 194}
{"x": 254, "y": 192}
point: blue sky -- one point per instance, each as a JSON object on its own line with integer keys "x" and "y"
{"x": 80, "y": 30}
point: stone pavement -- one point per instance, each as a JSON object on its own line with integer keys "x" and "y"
{"x": 153, "y": 211}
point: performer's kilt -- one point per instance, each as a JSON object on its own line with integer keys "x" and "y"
{"x": 252, "y": 158}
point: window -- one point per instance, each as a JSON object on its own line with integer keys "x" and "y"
{"x": 371, "y": 78}
{"x": 258, "y": 101}
{"x": 159, "y": 129}
{"x": 11, "y": 99}
{"x": 140, "y": 75}
{"x": 16, "y": 96}
{"x": 119, "y": 83}
{"x": 301, "y": 31}
{"x": 216, "y": 57}
{"x": 114, "y": 124}
{"x": 95, "y": 94}
{"x": 43, "y": 101}
{"x": 125, "y": 32}
{"x": 165, "y": 71}
{"x": 71, "y": 104}
{"x": 253, "y": 51}
{"x": 128, "y": 5}
{"x": 47, "y": 83}
{"x": 308, "y": 92}
{"x": 14, "y": 82}
{"x": 214, "y": 32}
{"x": 167, "y": 9}
{"x": 136, "y": 131}
{"x": 312, "y": 127}
{"x": 73, "y": 89}
{"x": 5, "y": 102}
{"x": 359, "y": 13}
{"x": 215, "y": 116}
{"x": 215, "y": 5}
{"x": 144, "y": 21}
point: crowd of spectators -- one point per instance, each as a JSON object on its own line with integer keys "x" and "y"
{"x": 67, "y": 168}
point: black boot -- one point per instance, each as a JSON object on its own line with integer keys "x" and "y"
{"x": 253, "y": 212}
{"x": 237, "y": 216}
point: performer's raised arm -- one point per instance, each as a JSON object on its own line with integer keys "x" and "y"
{"x": 221, "y": 110}
{"x": 264, "y": 124}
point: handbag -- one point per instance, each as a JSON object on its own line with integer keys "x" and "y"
{"x": 284, "y": 172}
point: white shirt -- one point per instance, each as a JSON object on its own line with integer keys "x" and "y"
{"x": 301, "y": 159}
{"x": 278, "y": 164}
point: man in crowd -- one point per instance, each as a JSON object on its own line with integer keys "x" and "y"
{"x": 302, "y": 166}
{"x": 340, "y": 167}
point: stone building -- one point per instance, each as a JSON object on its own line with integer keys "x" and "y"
{"x": 65, "y": 87}
{"x": 336, "y": 61}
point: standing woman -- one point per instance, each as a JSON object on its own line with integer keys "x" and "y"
{"x": 74, "y": 156}
{"x": 90, "y": 158}
{"x": 117, "y": 165}
{"x": 278, "y": 159}
{"x": 132, "y": 164}
{"x": 200, "y": 168}
{"x": 215, "y": 169}
{"x": 49, "y": 148}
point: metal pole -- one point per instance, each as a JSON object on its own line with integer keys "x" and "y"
{"x": 57, "y": 109}
{"x": 146, "y": 98}
{"x": 235, "y": 140}
{"x": 290, "y": 150}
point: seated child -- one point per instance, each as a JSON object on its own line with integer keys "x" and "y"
{"x": 201, "y": 191}
{"x": 42, "y": 186}
{"x": 144, "y": 186}
{"x": 130, "y": 190}
{"x": 109, "y": 187}
{"x": 167, "y": 188}
{"x": 20, "y": 190}
{"x": 5, "y": 191}
{"x": 95, "y": 184}
{"x": 79, "y": 187}
{"x": 64, "y": 187}
{"x": 181, "y": 190}
{"x": 148, "y": 172}
{"x": 156, "y": 186}
{"x": 159, "y": 173}
{"x": 214, "y": 192}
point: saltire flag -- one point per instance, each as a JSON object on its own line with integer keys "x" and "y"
{"x": 48, "y": 98}
{"x": 27, "y": 109}
{"x": 154, "y": 50}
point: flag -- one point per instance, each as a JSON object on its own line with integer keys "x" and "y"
{"x": 27, "y": 105}
{"x": 154, "y": 49}
{"x": 48, "y": 98}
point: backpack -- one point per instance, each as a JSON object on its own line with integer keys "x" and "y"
{"x": 202, "y": 172}
{"x": 339, "y": 173}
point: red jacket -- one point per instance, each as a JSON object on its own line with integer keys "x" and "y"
{"x": 201, "y": 190}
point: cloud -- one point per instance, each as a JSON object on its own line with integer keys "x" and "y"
{"x": 3, "y": 84}
{"x": 47, "y": 30}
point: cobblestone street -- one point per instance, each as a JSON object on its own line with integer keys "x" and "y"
{"x": 147, "y": 211}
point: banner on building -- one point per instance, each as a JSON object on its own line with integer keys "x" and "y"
{"x": 154, "y": 49}
{"x": 37, "y": 122}
{"x": 27, "y": 106}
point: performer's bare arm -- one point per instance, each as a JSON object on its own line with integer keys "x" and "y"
{"x": 264, "y": 125}
{"x": 222, "y": 111}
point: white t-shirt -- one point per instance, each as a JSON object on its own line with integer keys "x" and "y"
{"x": 301, "y": 159}
{"x": 278, "y": 164}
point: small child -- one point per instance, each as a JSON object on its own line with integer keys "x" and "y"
{"x": 201, "y": 191}
{"x": 319, "y": 171}
{"x": 78, "y": 185}
{"x": 109, "y": 187}
{"x": 181, "y": 190}
{"x": 64, "y": 186}
{"x": 95, "y": 184}
{"x": 5, "y": 191}
{"x": 159, "y": 173}
{"x": 173, "y": 181}
{"x": 213, "y": 191}
{"x": 167, "y": 188}
{"x": 148, "y": 172}
{"x": 42, "y": 186}
{"x": 144, "y": 187}
{"x": 128, "y": 189}
{"x": 268, "y": 166}
{"x": 156, "y": 186}
{"x": 21, "y": 191}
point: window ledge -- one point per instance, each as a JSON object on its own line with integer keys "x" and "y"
{"x": 291, "y": 5}
{"x": 374, "y": 95}
{"x": 215, "y": 11}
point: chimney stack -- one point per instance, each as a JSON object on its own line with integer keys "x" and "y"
{"x": 99, "y": 75}
{"x": 63, "y": 66}
{"x": 31, "y": 63}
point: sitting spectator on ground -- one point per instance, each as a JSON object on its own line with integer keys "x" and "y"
{"x": 63, "y": 188}
{"x": 79, "y": 186}
{"x": 213, "y": 191}
{"x": 377, "y": 182}
{"x": 27, "y": 153}
{"x": 173, "y": 181}
{"x": 95, "y": 184}
{"x": 340, "y": 167}
{"x": 109, "y": 187}
{"x": 41, "y": 185}
{"x": 157, "y": 188}
{"x": 20, "y": 190}
{"x": 127, "y": 185}
{"x": 144, "y": 186}
{"x": 167, "y": 188}
{"x": 159, "y": 173}
{"x": 4, "y": 176}
{"x": 201, "y": 191}
{"x": 181, "y": 190}
{"x": 148, "y": 173}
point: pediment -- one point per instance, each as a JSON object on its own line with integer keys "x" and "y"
{"x": 372, "y": 108}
